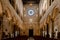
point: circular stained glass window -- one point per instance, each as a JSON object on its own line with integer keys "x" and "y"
{"x": 30, "y": 12}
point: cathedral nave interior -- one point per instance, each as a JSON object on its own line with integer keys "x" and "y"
{"x": 29, "y": 19}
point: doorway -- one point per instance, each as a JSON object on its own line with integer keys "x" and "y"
{"x": 30, "y": 32}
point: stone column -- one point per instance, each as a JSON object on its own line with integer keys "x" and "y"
{"x": 52, "y": 28}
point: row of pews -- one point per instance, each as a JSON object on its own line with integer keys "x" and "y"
{"x": 30, "y": 38}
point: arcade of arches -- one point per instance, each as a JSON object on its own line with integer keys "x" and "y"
{"x": 33, "y": 19}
